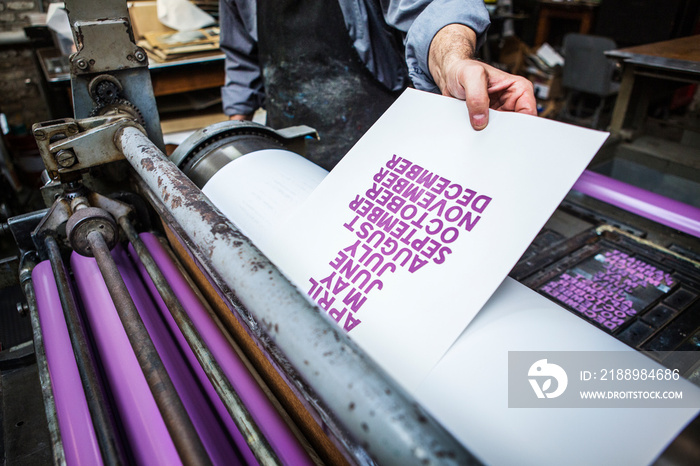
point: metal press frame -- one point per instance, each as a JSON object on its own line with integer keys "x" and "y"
{"x": 366, "y": 413}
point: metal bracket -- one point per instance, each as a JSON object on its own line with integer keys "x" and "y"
{"x": 106, "y": 46}
{"x": 22, "y": 226}
{"x": 69, "y": 146}
{"x": 97, "y": 55}
{"x": 53, "y": 223}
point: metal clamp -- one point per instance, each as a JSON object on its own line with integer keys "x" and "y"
{"x": 77, "y": 213}
{"x": 69, "y": 146}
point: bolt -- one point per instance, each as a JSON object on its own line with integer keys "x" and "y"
{"x": 40, "y": 135}
{"x": 82, "y": 64}
{"x": 22, "y": 308}
{"x": 72, "y": 129}
{"x": 140, "y": 56}
{"x": 66, "y": 158}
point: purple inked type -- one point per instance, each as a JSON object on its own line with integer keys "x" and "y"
{"x": 610, "y": 287}
{"x": 409, "y": 218}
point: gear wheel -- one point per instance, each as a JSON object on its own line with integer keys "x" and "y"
{"x": 105, "y": 89}
{"x": 119, "y": 106}
{"x": 106, "y": 92}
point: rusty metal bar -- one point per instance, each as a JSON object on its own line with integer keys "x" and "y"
{"x": 331, "y": 371}
{"x": 179, "y": 424}
{"x": 102, "y": 421}
{"x": 25, "y": 279}
{"x": 240, "y": 415}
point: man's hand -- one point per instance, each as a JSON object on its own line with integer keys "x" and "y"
{"x": 482, "y": 86}
{"x": 240, "y": 117}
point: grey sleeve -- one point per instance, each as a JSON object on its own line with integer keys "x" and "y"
{"x": 422, "y": 19}
{"x": 243, "y": 91}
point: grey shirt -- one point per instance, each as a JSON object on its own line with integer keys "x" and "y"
{"x": 416, "y": 20}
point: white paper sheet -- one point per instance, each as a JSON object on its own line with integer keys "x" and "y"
{"x": 468, "y": 392}
{"x": 505, "y": 180}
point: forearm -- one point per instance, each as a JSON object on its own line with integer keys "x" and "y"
{"x": 451, "y": 44}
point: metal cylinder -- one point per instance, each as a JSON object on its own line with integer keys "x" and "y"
{"x": 144, "y": 428}
{"x": 209, "y": 149}
{"x": 205, "y": 420}
{"x": 72, "y": 408}
{"x": 184, "y": 435}
{"x": 25, "y": 277}
{"x": 257, "y": 442}
{"x": 332, "y": 372}
{"x": 96, "y": 399}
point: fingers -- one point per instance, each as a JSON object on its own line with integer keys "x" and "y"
{"x": 483, "y": 86}
{"x": 511, "y": 93}
{"x": 526, "y": 102}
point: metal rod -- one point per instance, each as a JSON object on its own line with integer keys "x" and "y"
{"x": 101, "y": 418}
{"x": 185, "y": 438}
{"x": 59, "y": 456}
{"x": 143, "y": 424}
{"x": 332, "y": 372}
{"x": 256, "y": 441}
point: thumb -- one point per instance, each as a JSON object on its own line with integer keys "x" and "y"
{"x": 474, "y": 81}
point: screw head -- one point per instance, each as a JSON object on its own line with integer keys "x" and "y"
{"x": 140, "y": 56}
{"x": 39, "y": 134}
{"x": 82, "y": 64}
{"x": 66, "y": 158}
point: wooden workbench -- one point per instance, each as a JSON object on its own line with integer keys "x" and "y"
{"x": 673, "y": 60}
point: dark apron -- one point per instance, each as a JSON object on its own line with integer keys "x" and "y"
{"x": 314, "y": 77}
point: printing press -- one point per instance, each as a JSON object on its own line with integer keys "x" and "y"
{"x": 234, "y": 365}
